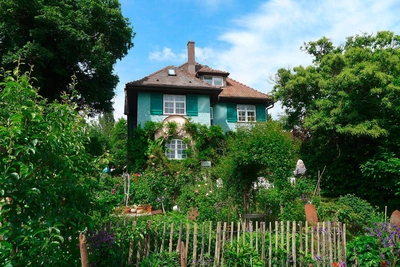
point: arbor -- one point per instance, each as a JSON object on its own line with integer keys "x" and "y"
{"x": 257, "y": 150}
{"x": 67, "y": 38}
{"x": 46, "y": 177}
{"x": 348, "y": 103}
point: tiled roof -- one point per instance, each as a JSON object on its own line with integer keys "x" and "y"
{"x": 204, "y": 69}
{"x": 236, "y": 89}
{"x": 183, "y": 79}
{"x": 161, "y": 78}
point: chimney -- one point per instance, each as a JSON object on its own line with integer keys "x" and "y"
{"x": 191, "y": 61}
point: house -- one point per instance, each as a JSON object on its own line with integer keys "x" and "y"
{"x": 207, "y": 96}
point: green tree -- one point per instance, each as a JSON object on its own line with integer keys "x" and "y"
{"x": 67, "y": 38}
{"x": 119, "y": 142}
{"x": 45, "y": 177}
{"x": 261, "y": 149}
{"x": 347, "y": 105}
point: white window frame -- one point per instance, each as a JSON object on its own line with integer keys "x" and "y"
{"x": 176, "y": 149}
{"x": 213, "y": 80}
{"x": 174, "y": 104}
{"x": 246, "y": 113}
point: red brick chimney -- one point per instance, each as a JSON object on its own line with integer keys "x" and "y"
{"x": 191, "y": 61}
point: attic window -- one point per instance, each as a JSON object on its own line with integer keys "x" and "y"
{"x": 214, "y": 80}
{"x": 171, "y": 72}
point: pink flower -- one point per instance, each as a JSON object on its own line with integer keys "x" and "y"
{"x": 196, "y": 191}
{"x": 113, "y": 191}
{"x": 117, "y": 185}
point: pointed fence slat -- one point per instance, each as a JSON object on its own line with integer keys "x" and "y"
{"x": 324, "y": 241}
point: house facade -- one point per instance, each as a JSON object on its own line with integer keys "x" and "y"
{"x": 194, "y": 91}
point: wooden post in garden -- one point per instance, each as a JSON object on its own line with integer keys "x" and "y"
{"x": 209, "y": 239}
{"x": 195, "y": 244}
{"x": 171, "y": 235}
{"x": 187, "y": 239}
{"x": 183, "y": 255}
{"x": 223, "y": 243}
{"x": 202, "y": 242}
{"x": 294, "y": 243}
{"x": 163, "y": 237}
{"x": 83, "y": 249}
{"x": 179, "y": 238}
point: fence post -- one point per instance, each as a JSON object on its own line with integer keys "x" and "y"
{"x": 171, "y": 235}
{"x": 294, "y": 242}
{"x": 83, "y": 249}
{"x": 194, "y": 244}
{"x": 183, "y": 255}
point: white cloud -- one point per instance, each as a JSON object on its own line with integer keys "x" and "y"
{"x": 261, "y": 43}
{"x": 165, "y": 55}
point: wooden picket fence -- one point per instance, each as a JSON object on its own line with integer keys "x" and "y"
{"x": 324, "y": 242}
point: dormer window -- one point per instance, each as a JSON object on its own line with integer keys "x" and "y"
{"x": 171, "y": 72}
{"x": 214, "y": 80}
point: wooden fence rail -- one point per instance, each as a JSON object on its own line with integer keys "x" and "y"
{"x": 276, "y": 243}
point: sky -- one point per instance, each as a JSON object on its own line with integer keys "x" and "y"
{"x": 251, "y": 39}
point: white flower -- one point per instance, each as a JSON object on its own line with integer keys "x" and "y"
{"x": 207, "y": 195}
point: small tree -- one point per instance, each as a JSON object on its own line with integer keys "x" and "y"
{"x": 261, "y": 149}
{"x": 45, "y": 177}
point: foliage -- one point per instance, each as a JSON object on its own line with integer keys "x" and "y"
{"x": 355, "y": 212}
{"x": 208, "y": 141}
{"x": 118, "y": 140}
{"x": 379, "y": 246}
{"x": 98, "y": 144}
{"x": 242, "y": 255}
{"x": 159, "y": 183}
{"x": 363, "y": 251}
{"x": 210, "y": 201}
{"x": 386, "y": 237}
{"x": 163, "y": 259}
{"x": 141, "y": 145}
{"x": 109, "y": 194}
{"x": 66, "y": 38}
{"x": 346, "y": 107}
{"x": 256, "y": 150}
{"x": 46, "y": 176}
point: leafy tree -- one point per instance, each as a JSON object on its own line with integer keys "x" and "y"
{"x": 45, "y": 177}
{"x": 119, "y": 140}
{"x": 67, "y": 38}
{"x": 347, "y": 106}
{"x": 261, "y": 149}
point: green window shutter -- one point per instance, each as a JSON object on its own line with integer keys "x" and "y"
{"x": 261, "y": 113}
{"x": 191, "y": 105}
{"x": 231, "y": 113}
{"x": 156, "y": 104}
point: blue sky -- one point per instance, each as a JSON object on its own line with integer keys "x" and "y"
{"x": 251, "y": 39}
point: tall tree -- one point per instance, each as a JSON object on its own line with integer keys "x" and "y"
{"x": 64, "y": 39}
{"x": 348, "y": 103}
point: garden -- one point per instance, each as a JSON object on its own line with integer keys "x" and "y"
{"x": 59, "y": 208}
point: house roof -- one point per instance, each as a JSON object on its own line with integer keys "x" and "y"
{"x": 184, "y": 80}
{"x": 181, "y": 78}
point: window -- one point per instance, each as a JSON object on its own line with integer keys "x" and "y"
{"x": 171, "y": 72}
{"x": 176, "y": 149}
{"x": 174, "y": 104}
{"x": 218, "y": 81}
{"x": 246, "y": 113}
